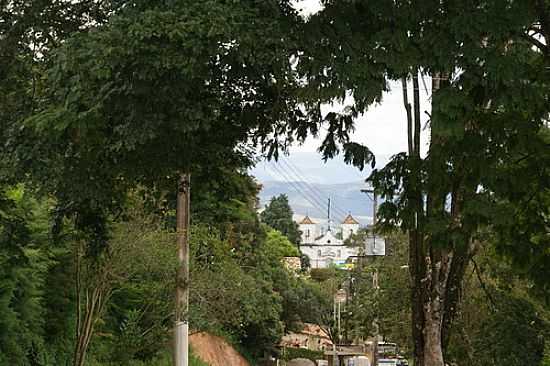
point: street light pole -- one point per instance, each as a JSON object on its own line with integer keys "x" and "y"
{"x": 339, "y": 320}
{"x": 181, "y": 330}
{"x": 374, "y": 203}
{"x": 334, "y": 356}
{"x": 340, "y": 297}
{"x": 375, "y": 325}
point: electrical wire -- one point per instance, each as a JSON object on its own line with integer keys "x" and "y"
{"x": 298, "y": 190}
{"x": 314, "y": 192}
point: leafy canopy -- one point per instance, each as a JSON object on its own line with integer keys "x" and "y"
{"x": 278, "y": 215}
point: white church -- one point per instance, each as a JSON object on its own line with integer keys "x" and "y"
{"x": 326, "y": 248}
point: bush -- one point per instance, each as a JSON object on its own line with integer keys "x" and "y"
{"x": 164, "y": 360}
{"x": 292, "y": 353}
{"x": 321, "y": 274}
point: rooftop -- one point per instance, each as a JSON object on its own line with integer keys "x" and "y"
{"x": 349, "y": 220}
{"x": 307, "y": 221}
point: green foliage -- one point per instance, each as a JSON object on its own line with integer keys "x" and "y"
{"x": 25, "y": 263}
{"x": 522, "y": 211}
{"x": 223, "y": 194}
{"x": 291, "y": 353}
{"x": 389, "y": 304}
{"x": 512, "y": 334}
{"x": 486, "y": 163}
{"x": 546, "y": 358}
{"x": 322, "y": 274}
{"x": 154, "y": 88}
{"x": 165, "y": 359}
{"x": 278, "y": 215}
{"x": 171, "y": 87}
{"x": 305, "y": 301}
{"x": 279, "y": 246}
{"x": 503, "y": 319}
{"x": 227, "y": 298}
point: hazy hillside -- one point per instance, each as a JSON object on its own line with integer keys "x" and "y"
{"x": 312, "y": 199}
{"x": 308, "y": 182}
{"x": 308, "y": 166}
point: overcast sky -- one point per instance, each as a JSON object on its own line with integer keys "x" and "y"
{"x": 382, "y": 128}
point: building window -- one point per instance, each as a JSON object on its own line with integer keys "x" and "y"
{"x": 307, "y": 234}
{"x": 319, "y": 252}
{"x": 339, "y": 253}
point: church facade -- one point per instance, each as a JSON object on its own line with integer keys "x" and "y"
{"x": 326, "y": 248}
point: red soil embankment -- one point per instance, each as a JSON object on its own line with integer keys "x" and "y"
{"x": 215, "y": 351}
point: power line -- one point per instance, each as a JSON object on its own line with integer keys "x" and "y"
{"x": 314, "y": 192}
{"x": 296, "y": 188}
{"x": 318, "y": 193}
{"x": 319, "y": 204}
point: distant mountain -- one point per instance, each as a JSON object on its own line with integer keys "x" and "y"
{"x": 312, "y": 198}
{"x": 310, "y": 167}
{"x": 308, "y": 182}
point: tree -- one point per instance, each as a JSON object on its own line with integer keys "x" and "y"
{"x": 29, "y": 257}
{"x": 279, "y": 246}
{"x": 278, "y": 215}
{"x": 29, "y": 34}
{"x": 21, "y": 281}
{"x": 170, "y": 87}
{"x": 503, "y": 319}
{"x": 482, "y": 108}
{"x": 388, "y": 304}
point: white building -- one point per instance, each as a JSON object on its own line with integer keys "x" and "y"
{"x": 327, "y": 248}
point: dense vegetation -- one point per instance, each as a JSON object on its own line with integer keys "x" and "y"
{"x": 503, "y": 318}
{"x": 107, "y": 106}
{"x": 240, "y": 287}
{"x": 278, "y": 215}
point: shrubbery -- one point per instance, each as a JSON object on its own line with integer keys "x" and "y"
{"x": 292, "y": 353}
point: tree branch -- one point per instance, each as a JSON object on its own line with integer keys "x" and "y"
{"x": 535, "y": 42}
{"x": 483, "y": 286}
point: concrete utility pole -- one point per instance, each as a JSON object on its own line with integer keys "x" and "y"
{"x": 339, "y": 298}
{"x": 181, "y": 330}
{"x": 374, "y": 206}
{"x": 375, "y": 284}
{"x": 334, "y": 356}
{"x": 374, "y": 202}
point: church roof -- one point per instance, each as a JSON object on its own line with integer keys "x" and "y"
{"x": 349, "y": 220}
{"x": 307, "y": 221}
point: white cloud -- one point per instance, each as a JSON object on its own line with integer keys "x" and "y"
{"x": 383, "y": 128}
{"x": 308, "y": 7}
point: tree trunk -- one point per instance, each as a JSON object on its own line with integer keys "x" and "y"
{"x": 181, "y": 331}
{"x": 446, "y": 256}
{"x": 97, "y": 291}
{"x": 414, "y": 197}
{"x": 433, "y": 351}
{"x": 436, "y": 264}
